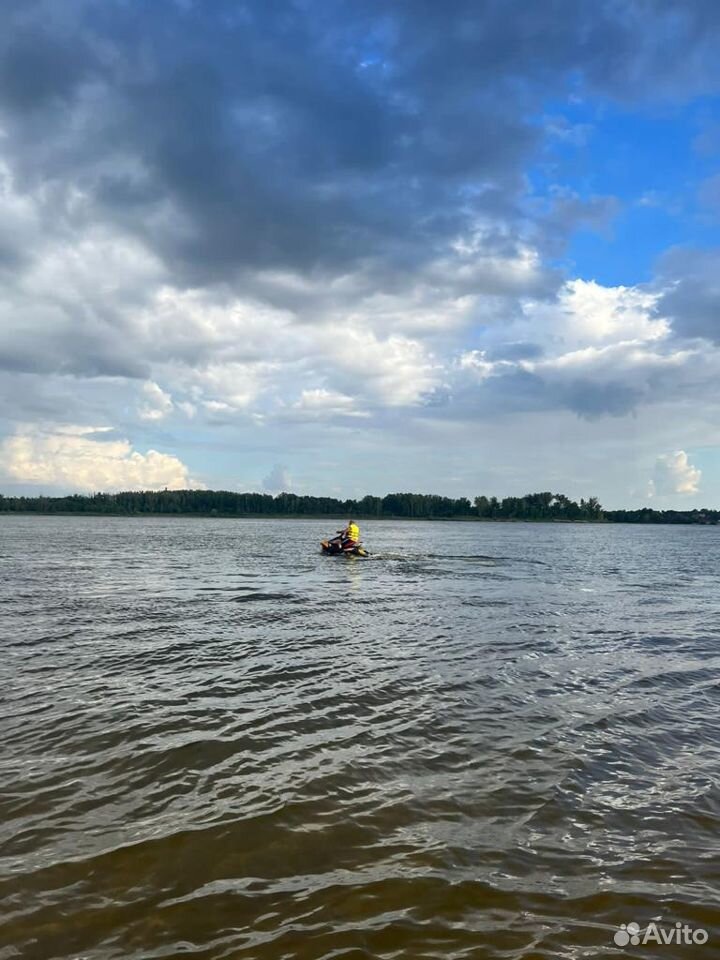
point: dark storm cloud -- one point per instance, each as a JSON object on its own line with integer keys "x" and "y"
{"x": 315, "y": 134}
{"x": 521, "y": 391}
{"x": 82, "y": 354}
{"x": 38, "y": 69}
{"x": 691, "y": 301}
{"x": 592, "y": 400}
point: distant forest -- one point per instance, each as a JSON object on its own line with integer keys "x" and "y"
{"x": 417, "y": 506}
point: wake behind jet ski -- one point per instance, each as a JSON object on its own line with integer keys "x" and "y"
{"x": 347, "y": 541}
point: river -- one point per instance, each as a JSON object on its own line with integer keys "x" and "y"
{"x": 486, "y": 740}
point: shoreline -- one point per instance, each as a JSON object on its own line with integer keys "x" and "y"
{"x": 283, "y": 516}
{"x": 342, "y": 518}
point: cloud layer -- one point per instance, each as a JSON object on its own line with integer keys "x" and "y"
{"x": 247, "y": 234}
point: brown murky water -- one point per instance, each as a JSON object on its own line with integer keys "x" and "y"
{"x": 487, "y": 740}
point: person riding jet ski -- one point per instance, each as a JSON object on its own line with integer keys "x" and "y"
{"x": 347, "y": 541}
{"x": 350, "y": 536}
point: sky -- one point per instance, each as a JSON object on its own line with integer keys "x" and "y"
{"x": 342, "y": 247}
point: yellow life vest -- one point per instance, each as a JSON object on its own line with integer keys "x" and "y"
{"x": 353, "y": 531}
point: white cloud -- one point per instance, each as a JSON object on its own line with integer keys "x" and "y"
{"x": 240, "y": 358}
{"x": 70, "y": 458}
{"x": 189, "y": 409}
{"x": 477, "y": 363}
{"x": 278, "y": 480}
{"x": 209, "y": 326}
{"x": 319, "y": 403}
{"x": 628, "y": 357}
{"x": 231, "y": 387}
{"x": 674, "y": 474}
{"x": 158, "y": 403}
{"x": 588, "y": 313}
{"x": 474, "y": 268}
{"x": 597, "y": 350}
{"x": 394, "y": 371}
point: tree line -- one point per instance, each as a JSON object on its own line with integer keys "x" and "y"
{"x": 534, "y": 506}
{"x": 648, "y": 515}
{"x": 418, "y": 506}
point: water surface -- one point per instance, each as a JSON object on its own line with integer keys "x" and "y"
{"x": 485, "y": 741}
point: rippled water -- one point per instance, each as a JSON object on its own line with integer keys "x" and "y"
{"x": 486, "y": 740}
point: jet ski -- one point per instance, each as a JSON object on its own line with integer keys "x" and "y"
{"x": 334, "y": 547}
